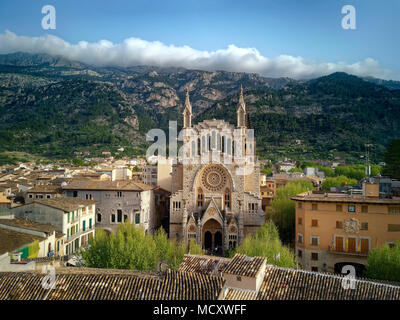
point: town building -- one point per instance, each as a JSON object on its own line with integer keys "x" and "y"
{"x": 215, "y": 183}
{"x": 73, "y": 218}
{"x": 267, "y": 190}
{"x": 337, "y": 229}
{"x": 118, "y": 201}
{"x": 23, "y": 238}
{"x": 46, "y": 191}
{"x": 149, "y": 175}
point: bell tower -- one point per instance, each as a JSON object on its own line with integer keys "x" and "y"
{"x": 241, "y": 111}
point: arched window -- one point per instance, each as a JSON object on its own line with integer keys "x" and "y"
{"x": 193, "y": 148}
{"x": 223, "y": 144}
{"x": 218, "y": 142}
{"x": 227, "y": 199}
{"x": 213, "y": 140}
{"x": 200, "y": 198}
{"x": 99, "y": 217}
{"x": 198, "y": 146}
{"x": 209, "y": 142}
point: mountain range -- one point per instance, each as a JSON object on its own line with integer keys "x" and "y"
{"x": 54, "y": 107}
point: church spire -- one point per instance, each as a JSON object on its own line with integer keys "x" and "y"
{"x": 241, "y": 110}
{"x": 187, "y": 112}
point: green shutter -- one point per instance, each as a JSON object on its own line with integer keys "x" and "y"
{"x": 90, "y": 223}
{"x": 84, "y": 225}
{"x": 137, "y": 218}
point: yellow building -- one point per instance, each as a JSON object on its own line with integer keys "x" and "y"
{"x": 337, "y": 229}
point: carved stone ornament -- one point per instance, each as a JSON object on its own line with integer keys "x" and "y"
{"x": 351, "y": 225}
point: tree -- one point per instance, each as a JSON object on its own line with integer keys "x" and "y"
{"x": 265, "y": 242}
{"x": 392, "y": 160}
{"x": 337, "y": 182}
{"x": 283, "y": 210}
{"x": 131, "y": 248}
{"x": 384, "y": 263}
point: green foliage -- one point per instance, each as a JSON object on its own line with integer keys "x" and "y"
{"x": 296, "y": 170}
{"x": 283, "y": 211}
{"x": 392, "y": 159}
{"x": 78, "y": 162}
{"x": 265, "y": 242}
{"x": 356, "y": 171}
{"x": 384, "y": 263}
{"x": 337, "y": 182}
{"x": 267, "y": 171}
{"x": 194, "y": 248}
{"x": 131, "y": 248}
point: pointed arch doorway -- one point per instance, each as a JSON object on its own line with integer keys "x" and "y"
{"x": 212, "y": 235}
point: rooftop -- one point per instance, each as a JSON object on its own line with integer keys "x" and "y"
{"x": 11, "y": 240}
{"x": 65, "y": 204}
{"x": 45, "y": 189}
{"x": 243, "y": 265}
{"x": 343, "y": 197}
{"x": 290, "y": 284}
{"x": 103, "y": 284}
{"x": 28, "y": 224}
{"x": 203, "y": 264}
{"x": 118, "y": 185}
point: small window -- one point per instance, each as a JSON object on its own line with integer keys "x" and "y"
{"x": 314, "y": 269}
{"x": 314, "y": 256}
{"x": 364, "y": 209}
{"x": 339, "y": 224}
{"x": 299, "y": 221}
{"x": 314, "y": 206}
{"x": 299, "y": 253}
{"x": 239, "y": 278}
{"x": 299, "y": 238}
{"x": 99, "y": 217}
{"x": 300, "y": 205}
{"x": 364, "y": 225}
{"x": 113, "y": 217}
{"x": 339, "y": 208}
{"x": 314, "y": 241}
{"x": 31, "y": 196}
{"x": 137, "y": 218}
{"x": 352, "y": 208}
{"x": 314, "y": 223}
{"x": 119, "y": 215}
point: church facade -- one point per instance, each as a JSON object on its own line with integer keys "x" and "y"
{"x": 215, "y": 183}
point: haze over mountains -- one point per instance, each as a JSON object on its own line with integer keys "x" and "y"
{"x": 53, "y": 107}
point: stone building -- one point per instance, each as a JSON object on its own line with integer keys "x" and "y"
{"x": 118, "y": 201}
{"x": 215, "y": 182}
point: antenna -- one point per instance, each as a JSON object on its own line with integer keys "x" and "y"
{"x": 367, "y": 167}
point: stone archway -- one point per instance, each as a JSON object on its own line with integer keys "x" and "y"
{"x": 207, "y": 240}
{"x": 212, "y": 229}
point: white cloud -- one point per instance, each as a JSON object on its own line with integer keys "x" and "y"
{"x": 134, "y": 51}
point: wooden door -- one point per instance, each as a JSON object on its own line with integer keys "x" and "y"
{"x": 339, "y": 244}
{"x": 351, "y": 245}
{"x": 364, "y": 246}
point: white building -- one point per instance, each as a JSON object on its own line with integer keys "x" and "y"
{"x": 74, "y": 218}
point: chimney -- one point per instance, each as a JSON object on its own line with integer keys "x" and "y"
{"x": 371, "y": 190}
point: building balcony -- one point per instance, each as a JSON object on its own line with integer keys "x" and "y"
{"x": 347, "y": 252}
{"x": 79, "y": 233}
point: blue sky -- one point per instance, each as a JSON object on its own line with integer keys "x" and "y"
{"x": 310, "y": 29}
